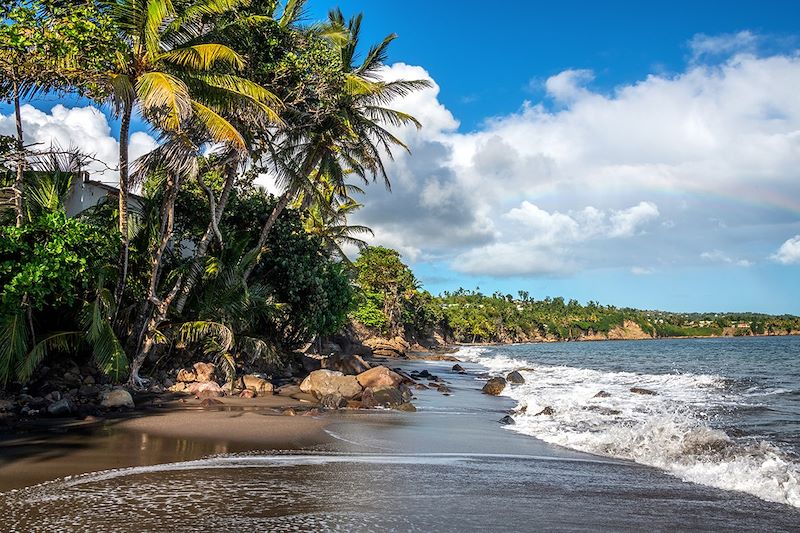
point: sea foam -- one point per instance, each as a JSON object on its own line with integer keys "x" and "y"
{"x": 675, "y": 430}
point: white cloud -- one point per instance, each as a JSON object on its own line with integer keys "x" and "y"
{"x": 641, "y": 271}
{"x": 718, "y": 256}
{"x": 83, "y": 128}
{"x": 726, "y": 43}
{"x": 789, "y": 252}
{"x": 638, "y": 172}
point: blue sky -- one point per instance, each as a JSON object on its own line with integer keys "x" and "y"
{"x": 636, "y": 153}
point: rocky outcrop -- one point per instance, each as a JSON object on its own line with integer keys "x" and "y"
{"x": 547, "y": 411}
{"x": 459, "y": 369}
{"x": 602, "y": 394}
{"x": 186, "y": 376}
{"x": 208, "y": 389}
{"x": 644, "y": 392}
{"x": 116, "y": 398}
{"x": 379, "y": 377}
{"x": 396, "y": 347}
{"x": 494, "y": 386}
{"x": 321, "y": 383}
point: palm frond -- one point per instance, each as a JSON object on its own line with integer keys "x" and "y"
{"x": 14, "y": 339}
{"x": 165, "y": 98}
{"x": 59, "y": 341}
{"x": 203, "y": 56}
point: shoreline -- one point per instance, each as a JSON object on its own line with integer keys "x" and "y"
{"x": 449, "y": 466}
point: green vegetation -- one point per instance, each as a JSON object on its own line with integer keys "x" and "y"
{"x": 204, "y": 262}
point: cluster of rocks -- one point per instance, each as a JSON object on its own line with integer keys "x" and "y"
{"x": 65, "y": 390}
{"x": 201, "y": 382}
{"x": 378, "y": 386}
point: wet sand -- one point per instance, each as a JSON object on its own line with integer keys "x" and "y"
{"x": 449, "y": 467}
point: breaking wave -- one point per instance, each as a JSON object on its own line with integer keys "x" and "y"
{"x": 679, "y": 429}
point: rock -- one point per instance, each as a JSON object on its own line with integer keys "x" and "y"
{"x": 396, "y": 347}
{"x": 257, "y": 384}
{"x": 247, "y": 393}
{"x": 310, "y": 363}
{"x": 458, "y": 368}
{"x": 320, "y": 383}
{"x": 507, "y": 421}
{"x": 515, "y": 377}
{"x": 186, "y": 376}
{"x": 287, "y": 390}
{"x": 6, "y": 405}
{"x": 205, "y": 372}
{"x": 289, "y": 412}
{"x": 379, "y": 377}
{"x": 88, "y": 380}
{"x": 388, "y": 397}
{"x": 522, "y": 410}
{"x": 208, "y": 389}
{"x": 494, "y": 386}
{"x": 208, "y": 402}
{"x": 331, "y": 348}
{"x": 72, "y": 379}
{"x": 646, "y": 392}
{"x": 354, "y": 404}
{"x": 53, "y": 396}
{"x": 546, "y": 411}
{"x": 420, "y": 386}
{"x": 178, "y": 387}
{"x": 602, "y": 394}
{"x": 117, "y": 398}
{"x": 311, "y": 412}
{"x": 62, "y": 407}
{"x": 88, "y": 391}
{"x": 407, "y": 407}
{"x": 332, "y": 401}
{"x": 443, "y": 389}
{"x": 346, "y": 364}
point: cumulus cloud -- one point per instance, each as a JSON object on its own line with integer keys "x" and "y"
{"x": 789, "y": 252}
{"x": 727, "y": 43}
{"x": 83, "y": 128}
{"x": 604, "y": 180}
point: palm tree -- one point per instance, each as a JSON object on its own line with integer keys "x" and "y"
{"x": 352, "y": 135}
{"x": 326, "y": 217}
{"x": 171, "y": 74}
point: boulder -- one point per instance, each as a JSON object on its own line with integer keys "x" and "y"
{"x": 507, "y": 421}
{"x": 515, "y": 377}
{"x": 387, "y": 397}
{"x": 443, "y": 389}
{"x": 256, "y": 384}
{"x": 289, "y": 412}
{"x": 88, "y": 391}
{"x": 117, "y": 398}
{"x": 332, "y": 401}
{"x": 205, "y": 372}
{"x": 407, "y": 407}
{"x": 494, "y": 386}
{"x": 458, "y": 368}
{"x": 6, "y": 405}
{"x": 346, "y": 364}
{"x": 62, "y": 407}
{"x": 646, "y": 392}
{"x": 602, "y": 394}
{"x": 209, "y": 389}
{"x": 354, "y": 404}
{"x": 311, "y": 363}
{"x": 379, "y": 377}
{"x": 546, "y": 411}
{"x": 304, "y": 397}
{"x": 420, "y": 386}
{"x": 247, "y": 393}
{"x": 186, "y": 376}
{"x": 320, "y": 383}
{"x": 396, "y": 347}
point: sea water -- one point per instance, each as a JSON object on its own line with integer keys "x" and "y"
{"x": 725, "y": 413}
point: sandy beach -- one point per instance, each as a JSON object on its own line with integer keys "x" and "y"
{"x": 450, "y": 466}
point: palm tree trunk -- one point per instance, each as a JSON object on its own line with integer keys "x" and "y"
{"x": 202, "y": 247}
{"x": 19, "y": 182}
{"x": 155, "y": 312}
{"x": 124, "y": 141}
{"x": 283, "y": 201}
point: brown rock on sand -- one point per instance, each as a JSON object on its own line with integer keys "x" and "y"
{"x": 379, "y": 377}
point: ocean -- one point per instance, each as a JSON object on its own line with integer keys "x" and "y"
{"x": 725, "y": 413}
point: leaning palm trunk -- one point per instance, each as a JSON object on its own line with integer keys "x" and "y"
{"x": 19, "y": 182}
{"x": 124, "y": 130}
{"x": 283, "y": 201}
{"x": 201, "y": 251}
{"x": 154, "y": 312}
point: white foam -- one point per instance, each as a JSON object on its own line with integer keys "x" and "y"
{"x": 672, "y": 430}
